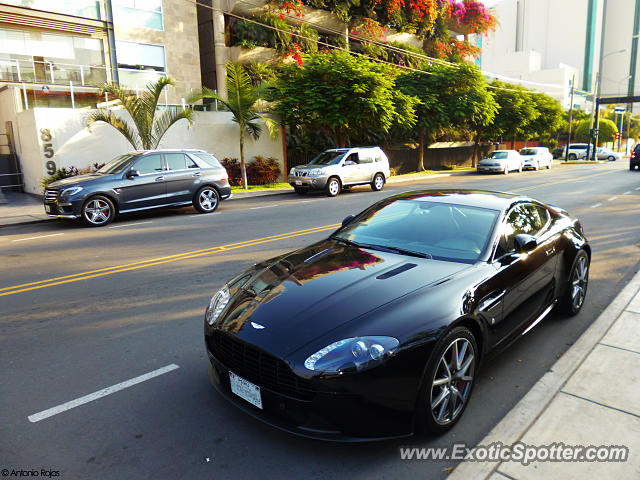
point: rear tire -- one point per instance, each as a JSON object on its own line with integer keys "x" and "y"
{"x": 206, "y": 200}
{"x": 577, "y": 284}
{"x": 378, "y": 182}
{"x": 98, "y": 211}
{"x": 333, "y": 187}
{"x": 448, "y": 381}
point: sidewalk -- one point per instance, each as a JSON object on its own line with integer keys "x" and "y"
{"x": 23, "y": 208}
{"x": 590, "y": 397}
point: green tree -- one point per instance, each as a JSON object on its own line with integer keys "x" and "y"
{"x": 606, "y": 131}
{"x": 340, "y": 94}
{"x": 450, "y": 98}
{"x": 242, "y": 101}
{"x": 516, "y": 114}
{"x": 549, "y": 119}
{"x": 148, "y": 126}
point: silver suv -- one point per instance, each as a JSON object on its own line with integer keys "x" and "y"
{"x": 339, "y": 168}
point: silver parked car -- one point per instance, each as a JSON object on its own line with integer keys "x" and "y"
{"x": 536, "y": 157}
{"x": 605, "y": 154}
{"x": 339, "y": 168}
{"x": 501, "y": 161}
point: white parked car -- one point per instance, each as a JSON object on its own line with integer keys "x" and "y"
{"x": 536, "y": 157}
{"x": 501, "y": 161}
{"x": 605, "y": 154}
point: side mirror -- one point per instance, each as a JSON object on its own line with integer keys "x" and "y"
{"x": 133, "y": 173}
{"x": 525, "y": 242}
{"x": 347, "y": 220}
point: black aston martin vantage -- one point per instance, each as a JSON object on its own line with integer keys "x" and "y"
{"x": 379, "y": 330}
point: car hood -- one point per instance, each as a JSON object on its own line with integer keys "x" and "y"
{"x": 308, "y": 293}
{"x": 80, "y": 180}
{"x": 491, "y": 161}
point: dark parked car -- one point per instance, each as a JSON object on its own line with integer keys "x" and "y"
{"x": 380, "y": 328}
{"x": 140, "y": 181}
{"x": 634, "y": 161}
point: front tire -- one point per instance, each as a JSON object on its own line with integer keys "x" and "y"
{"x": 448, "y": 381}
{"x": 333, "y": 187}
{"x": 378, "y": 182}
{"x": 206, "y": 200}
{"x": 577, "y": 283}
{"x": 612, "y": 158}
{"x": 98, "y": 211}
{"x": 572, "y": 156}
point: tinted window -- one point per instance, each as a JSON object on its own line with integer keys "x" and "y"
{"x": 176, "y": 161}
{"x": 528, "y": 151}
{"x": 118, "y": 164}
{"x": 209, "y": 160}
{"x": 149, "y": 164}
{"x": 366, "y": 157}
{"x": 444, "y": 231}
{"x": 524, "y": 218}
{"x": 330, "y": 157}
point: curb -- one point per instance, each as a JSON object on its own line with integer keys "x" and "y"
{"x": 523, "y": 415}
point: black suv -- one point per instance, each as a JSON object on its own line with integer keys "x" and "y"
{"x": 634, "y": 161}
{"x": 139, "y": 181}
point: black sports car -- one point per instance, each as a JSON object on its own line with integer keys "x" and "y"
{"x": 380, "y": 328}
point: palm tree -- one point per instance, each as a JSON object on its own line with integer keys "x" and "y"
{"x": 241, "y": 102}
{"x": 148, "y": 128}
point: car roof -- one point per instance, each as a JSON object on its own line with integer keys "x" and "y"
{"x": 473, "y": 198}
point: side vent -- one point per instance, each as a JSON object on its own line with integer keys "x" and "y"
{"x": 396, "y": 271}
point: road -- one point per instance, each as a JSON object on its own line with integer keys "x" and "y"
{"x": 85, "y": 309}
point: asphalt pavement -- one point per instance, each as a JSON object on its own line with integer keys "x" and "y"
{"x": 86, "y": 309}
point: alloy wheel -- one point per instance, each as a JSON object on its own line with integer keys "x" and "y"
{"x": 97, "y": 211}
{"x": 452, "y": 381}
{"x": 579, "y": 281}
{"x": 378, "y": 182}
{"x": 208, "y": 200}
{"x": 333, "y": 187}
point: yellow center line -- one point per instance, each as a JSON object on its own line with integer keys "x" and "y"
{"x": 547, "y": 184}
{"x": 158, "y": 261}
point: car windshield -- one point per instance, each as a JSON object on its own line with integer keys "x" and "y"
{"x": 528, "y": 151}
{"x": 420, "y": 228}
{"x": 330, "y": 157}
{"x": 118, "y": 164}
{"x": 499, "y": 155}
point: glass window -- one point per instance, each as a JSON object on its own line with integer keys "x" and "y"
{"x": 499, "y": 155}
{"x": 209, "y": 160}
{"x": 330, "y": 157}
{"x": 138, "y": 13}
{"x": 140, "y": 55}
{"x": 524, "y": 218}
{"x": 191, "y": 163}
{"x": 118, "y": 164}
{"x": 366, "y": 157}
{"x": 78, "y": 8}
{"x": 149, "y": 164}
{"x": 175, "y": 161}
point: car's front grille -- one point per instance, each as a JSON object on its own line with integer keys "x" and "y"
{"x": 298, "y": 173}
{"x": 50, "y": 195}
{"x": 259, "y": 367}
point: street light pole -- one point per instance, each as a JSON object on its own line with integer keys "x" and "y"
{"x": 566, "y": 151}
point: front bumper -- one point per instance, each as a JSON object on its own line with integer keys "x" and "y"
{"x": 62, "y": 208}
{"x": 310, "y": 183}
{"x": 490, "y": 169}
{"x": 368, "y": 406}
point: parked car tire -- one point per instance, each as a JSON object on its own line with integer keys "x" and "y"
{"x": 611, "y": 158}
{"x": 333, "y": 187}
{"x": 572, "y": 156}
{"x": 549, "y": 164}
{"x": 98, "y": 211}
{"x": 206, "y": 200}
{"x": 378, "y": 182}
{"x": 578, "y": 281}
{"x": 440, "y": 383}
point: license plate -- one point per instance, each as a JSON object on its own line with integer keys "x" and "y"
{"x": 47, "y": 208}
{"x": 298, "y": 182}
{"x": 245, "y": 389}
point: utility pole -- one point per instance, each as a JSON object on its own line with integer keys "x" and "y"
{"x": 599, "y": 80}
{"x": 566, "y": 152}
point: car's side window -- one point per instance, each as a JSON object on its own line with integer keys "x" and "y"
{"x": 524, "y": 218}
{"x": 175, "y": 161}
{"x": 191, "y": 163}
{"x": 149, "y": 164}
{"x": 365, "y": 157}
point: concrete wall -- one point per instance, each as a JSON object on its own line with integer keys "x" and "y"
{"x": 74, "y": 145}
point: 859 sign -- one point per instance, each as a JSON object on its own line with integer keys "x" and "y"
{"x": 47, "y": 148}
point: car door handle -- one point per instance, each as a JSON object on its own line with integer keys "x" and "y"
{"x": 491, "y": 301}
{"x": 160, "y": 178}
{"x": 197, "y": 174}
{"x": 550, "y": 251}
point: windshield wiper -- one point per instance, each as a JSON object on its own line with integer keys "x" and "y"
{"x": 383, "y": 248}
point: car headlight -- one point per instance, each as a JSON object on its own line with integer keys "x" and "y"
{"x": 316, "y": 172}
{"x": 351, "y": 353}
{"x": 67, "y": 192}
{"x": 216, "y": 305}
{"x": 292, "y": 171}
